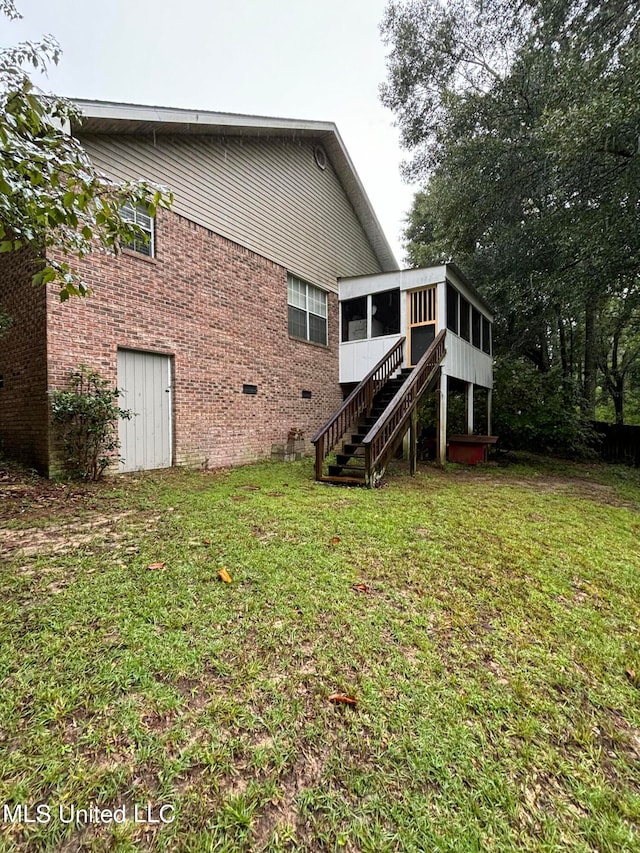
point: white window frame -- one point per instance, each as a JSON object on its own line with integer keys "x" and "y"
{"x": 139, "y": 216}
{"x": 310, "y": 291}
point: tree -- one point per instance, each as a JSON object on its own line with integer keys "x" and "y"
{"x": 619, "y": 350}
{"x": 523, "y": 121}
{"x": 51, "y": 195}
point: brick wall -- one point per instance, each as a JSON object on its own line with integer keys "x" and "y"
{"x": 221, "y": 312}
{"x": 23, "y": 395}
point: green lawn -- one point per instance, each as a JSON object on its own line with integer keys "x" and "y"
{"x": 493, "y": 649}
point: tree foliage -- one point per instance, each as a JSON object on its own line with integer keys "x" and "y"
{"x": 538, "y": 411}
{"x": 51, "y": 195}
{"x": 523, "y": 120}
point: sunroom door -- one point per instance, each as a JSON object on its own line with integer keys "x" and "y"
{"x": 422, "y": 313}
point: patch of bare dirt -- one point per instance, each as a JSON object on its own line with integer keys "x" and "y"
{"x": 24, "y": 494}
{"x": 195, "y": 693}
{"x": 233, "y": 786}
{"x": 191, "y": 778}
{"x": 542, "y": 793}
{"x": 62, "y": 537}
{"x": 618, "y": 739}
{"x": 56, "y": 518}
{"x": 282, "y": 811}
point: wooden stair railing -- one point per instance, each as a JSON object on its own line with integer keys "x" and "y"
{"x": 380, "y": 442}
{"x": 359, "y": 401}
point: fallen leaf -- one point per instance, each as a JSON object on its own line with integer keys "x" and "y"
{"x": 224, "y": 575}
{"x": 631, "y": 675}
{"x": 156, "y": 565}
{"x": 335, "y": 540}
{"x": 207, "y": 542}
{"x": 340, "y": 699}
{"x": 360, "y": 587}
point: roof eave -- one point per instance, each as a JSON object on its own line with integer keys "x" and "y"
{"x": 109, "y": 117}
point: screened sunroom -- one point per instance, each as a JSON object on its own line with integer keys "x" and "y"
{"x": 414, "y": 306}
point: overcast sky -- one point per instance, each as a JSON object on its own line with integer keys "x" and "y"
{"x": 291, "y": 58}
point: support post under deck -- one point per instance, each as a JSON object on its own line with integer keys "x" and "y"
{"x": 469, "y": 402}
{"x": 442, "y": 419}
{"x": 489, "y": 409}
{"x": 413, "y": 443}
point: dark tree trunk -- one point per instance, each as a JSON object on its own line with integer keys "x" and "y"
{"x": 564, "y": 356}
{"x": 545, "y": 364}
{"x": 614, "y": 379}
{"x": 618, "y": 401}
{"x": 590, "y": 359}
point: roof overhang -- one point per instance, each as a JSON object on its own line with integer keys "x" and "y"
{"x": 104, "y": 117}
{"x": 407, "y": 279}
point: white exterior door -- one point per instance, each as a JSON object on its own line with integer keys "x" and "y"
{"x": 144, "y": 380}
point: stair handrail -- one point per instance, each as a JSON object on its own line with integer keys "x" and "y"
{"x": 360, "y": 400}
{"x": 384, "y": 433}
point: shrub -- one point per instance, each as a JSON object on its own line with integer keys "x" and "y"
{"x": 87, "y": 416}
{"x": 538, "y": 411}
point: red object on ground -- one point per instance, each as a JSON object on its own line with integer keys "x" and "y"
{"x": 469, "y": 449}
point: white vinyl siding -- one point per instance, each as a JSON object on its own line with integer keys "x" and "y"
{"x": 267, "y": 195}
{"x": 466, "y": 362}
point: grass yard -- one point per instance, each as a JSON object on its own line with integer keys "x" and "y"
{"x": 486, "y": 621}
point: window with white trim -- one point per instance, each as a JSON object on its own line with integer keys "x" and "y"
{"x": 139, "y": 216}
{"x": 307, "y": 311}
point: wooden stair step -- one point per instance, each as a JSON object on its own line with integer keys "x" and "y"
{"x": 353, "y": 449}
{"x": 342, "y": 481}
{"x": 343, "y": 459}
{"x": 346, "y": 471}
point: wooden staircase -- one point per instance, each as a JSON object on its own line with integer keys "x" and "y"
{"x": 374, "y": 418}
{"x": 350, "y": 461}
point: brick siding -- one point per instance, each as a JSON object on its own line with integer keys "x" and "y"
{"x": 23, "y": 366}
{"x": 220, "y": 311}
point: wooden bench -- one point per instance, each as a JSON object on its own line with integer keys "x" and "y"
{"x": 469, "y": 449}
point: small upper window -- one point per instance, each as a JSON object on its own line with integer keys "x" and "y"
{"x": 307, "y": 311}
{"x": 139, "y": 216}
